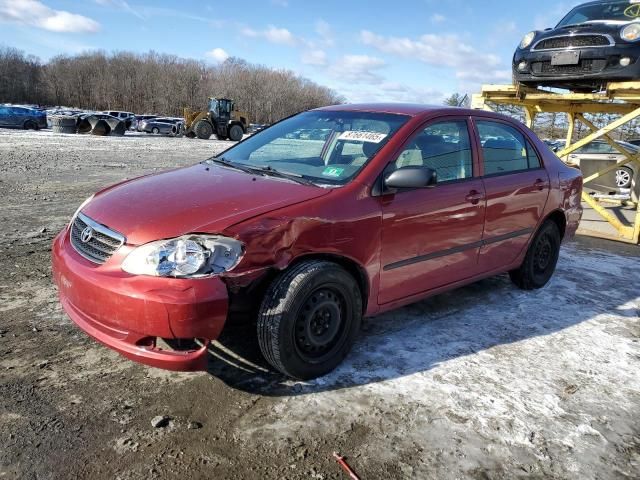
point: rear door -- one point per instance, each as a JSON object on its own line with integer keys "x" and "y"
{"x": 431, "y": 236}
{"x": 516, "y": 186}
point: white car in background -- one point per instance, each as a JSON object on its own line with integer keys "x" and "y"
{"x": 596, "y": 156}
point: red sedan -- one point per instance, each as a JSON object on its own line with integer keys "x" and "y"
{"x": 313, "y": 223}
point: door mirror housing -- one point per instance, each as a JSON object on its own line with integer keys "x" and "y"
{"x": 411, "y": 177}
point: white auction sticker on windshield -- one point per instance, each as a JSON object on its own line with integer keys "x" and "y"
{"x": 362, "y": 136}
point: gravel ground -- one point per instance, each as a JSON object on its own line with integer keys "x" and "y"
{"x": 485, "y": 382}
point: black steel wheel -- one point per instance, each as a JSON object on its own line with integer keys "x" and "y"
{"x": 309, "y": 318}
{"x": 541, "y": 258}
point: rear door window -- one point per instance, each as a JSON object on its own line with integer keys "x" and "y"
{"x": 504, "y": 149}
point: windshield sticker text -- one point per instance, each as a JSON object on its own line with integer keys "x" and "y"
{"x": 362, "y": 136}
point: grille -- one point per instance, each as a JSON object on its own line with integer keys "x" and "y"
{"x": 585, "y": 66}
{"x": 573, "y": 41}
{"x": 102, "y": 243}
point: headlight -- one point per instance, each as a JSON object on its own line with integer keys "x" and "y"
{"x": 82, "y": 205}
{"x": 187, "y": 256}
{"x": 631, "y": 32}
{"x": 527, "y": 39}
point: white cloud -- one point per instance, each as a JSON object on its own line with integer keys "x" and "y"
{"x": 315, "y": 57}
{"x": 34, "y": 13}
{"x": 392, "y": 92}
{"x": 279, "y": 35}
{"x": 357, "y": 69}
{"x": 447, "y": 50}
{"x": 471, "y": 66}
{"x": 325, "y": 32}
{"x": 273, "y": 34}
{"x": 217, "y": 54}
{"x": 437, "y": 18}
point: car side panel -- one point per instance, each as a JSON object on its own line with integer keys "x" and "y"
{"x": 515, "y": 205}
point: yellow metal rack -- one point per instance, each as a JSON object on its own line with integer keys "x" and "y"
{"x": 619, "y": 98}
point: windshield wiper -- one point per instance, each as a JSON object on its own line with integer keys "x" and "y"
{"x": 230, "y": 164}
{"x": 296, "y": 177}
{"x": 266, "y": 170}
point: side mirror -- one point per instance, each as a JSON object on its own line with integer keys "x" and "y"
{"x": 411, "y": 177}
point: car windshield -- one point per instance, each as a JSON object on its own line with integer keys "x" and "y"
{"x": 324, "y": 147}
{"x": 617, "y": 11}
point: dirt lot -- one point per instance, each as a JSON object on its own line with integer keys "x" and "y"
{"x": 485, "y": 382}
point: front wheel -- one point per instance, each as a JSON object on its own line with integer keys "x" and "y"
{"x": 309, "y": 318}
{"x": 155, "y": 130}
{"x": 541, "y": 258}
{"x": 235, "y": 133}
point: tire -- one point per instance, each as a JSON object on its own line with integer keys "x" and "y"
{"x": 289, "y": 335}
{"x": 30, "y": 125}
{"x": 100, "y": 128}
{"x": 63, "y": 124}
{"x": 623, "y": 177}
{"x": 117, "y": 126}
{"x": 541, "y": 258}
{"x": 203, "y": 130}
{"x": 235, "y": 133}
{"x": 155, "y": 130}
{"x": 84, "y": 125}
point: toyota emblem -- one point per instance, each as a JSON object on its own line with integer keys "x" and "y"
{"x": 86, "y": 234}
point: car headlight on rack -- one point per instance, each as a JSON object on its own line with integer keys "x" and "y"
{"x": 631, "y": 32}
{"x": 189, "y": 256}
{"x": 527, "y": 39}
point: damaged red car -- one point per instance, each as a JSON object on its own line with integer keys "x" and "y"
{"x": 321, "y": 219}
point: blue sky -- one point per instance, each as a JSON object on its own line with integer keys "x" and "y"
{"x": 409, "y": 50}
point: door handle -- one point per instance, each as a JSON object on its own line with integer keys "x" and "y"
{"x": 474, "y": 197}
{"x": 540, "y": 184}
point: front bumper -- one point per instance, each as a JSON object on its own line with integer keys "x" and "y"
{"x": 128, "y": 313}
{"x": 597, "y": 65}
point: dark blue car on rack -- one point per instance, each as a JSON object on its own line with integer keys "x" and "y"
{"x": 22, "y": 117}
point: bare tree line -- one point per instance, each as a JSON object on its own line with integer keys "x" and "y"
{"x": 155, "y": 83}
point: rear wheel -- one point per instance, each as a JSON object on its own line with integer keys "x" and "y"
{"x": 203, "y": 130}
{"x": 309, "y": 319}
{"x": 541, "y": 258}
{"x": 624, "y": 176}
{"x": 235, "y": 133}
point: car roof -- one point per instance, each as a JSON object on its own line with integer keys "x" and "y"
{"x": 413, "y": 110}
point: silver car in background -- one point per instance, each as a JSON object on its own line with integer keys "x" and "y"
{"x": 596, "y": 156}
{"x": 166, "y": 126}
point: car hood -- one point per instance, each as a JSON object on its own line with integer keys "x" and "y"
{"x": 199, "y": 199}
{"x": 610, "y": 27}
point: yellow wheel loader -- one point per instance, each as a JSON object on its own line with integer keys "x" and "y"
{"x": 221, "y": 119}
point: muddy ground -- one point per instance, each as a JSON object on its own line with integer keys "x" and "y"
{"x": 485, "y": 382}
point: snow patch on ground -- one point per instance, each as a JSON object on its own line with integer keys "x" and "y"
{"x": 548, "y": 378}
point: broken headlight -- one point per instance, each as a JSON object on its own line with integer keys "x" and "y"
{"x": 187, "y": 256}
